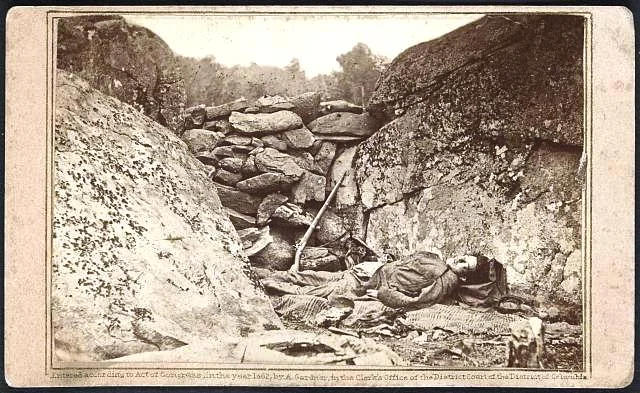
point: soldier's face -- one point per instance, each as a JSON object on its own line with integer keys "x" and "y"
{"x": 463, "y": 264}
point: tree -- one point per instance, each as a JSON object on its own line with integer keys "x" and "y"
{"x": 296, "y": 82}
{"x": 327, "y": 85}
{"x": 293, "y": 68}
{"x": 360, "y": 72}
{"x": 202, "y": 78}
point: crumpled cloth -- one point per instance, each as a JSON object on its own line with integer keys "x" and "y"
{"x": 460, "y": 319}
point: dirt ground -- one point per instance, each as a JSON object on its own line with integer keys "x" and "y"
{"x": 439, "y": 348}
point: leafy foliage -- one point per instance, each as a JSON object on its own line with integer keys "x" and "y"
{"x": 211, "y": 83}
{"x": 360, "y": 71}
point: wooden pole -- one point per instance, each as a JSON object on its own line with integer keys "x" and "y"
{"x": 307, "y": 235}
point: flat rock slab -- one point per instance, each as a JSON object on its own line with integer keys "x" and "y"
{"x": 231, "y": 164}
{"x": 271, "y": 104}
{"x": 242, "y": 140}
{"x": 305, "y": 161}
{"x": 254, "y": 240}
{"x": 266, "y": 183}
{"x": 200, "y": 140}
{"x": 343, "y": 123}
{"x": 339, "y": 138}
{"x": 214, "y": 112}
{"x": 223, "y": 151}
{"x": 194, "y": 116}
{"x": 239, "y": 220}
{"x": 327, "y": 107}
{"x": 300, "y": 138}
{"x": 207, "y": 158}
{"x": 274, "y": 142}
{"x": 268, "y": 206}
{"x": 240, "y": 201}
{"x": 225, "y": 177}
{"x": 265, "y": 123}
{"x": 271, "y": 160}
{"x": 289, "y": 214}
{"x": 222, "y": 126}
{"x": 310, "y": 188}
{"x": 318, "y": 258}
{"x": 271, "y": 100}
{"x": 242, "y": 149}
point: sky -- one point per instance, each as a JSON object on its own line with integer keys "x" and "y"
{"x": 315, "y": 40}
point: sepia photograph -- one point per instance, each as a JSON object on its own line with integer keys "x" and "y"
{"x": 321, "y": 199}
{"x": 235, "y": 193}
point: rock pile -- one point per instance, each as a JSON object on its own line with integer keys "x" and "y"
{"x": 274, "y": 161}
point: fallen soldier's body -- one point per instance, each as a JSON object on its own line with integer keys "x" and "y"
{"x": 413, "y": 282}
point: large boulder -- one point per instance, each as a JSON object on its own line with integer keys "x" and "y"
{"x": 484, "y": 154}
{"x": 144, "y": 257}
{"x": 330, "y": 227}
{"x": 124, "y": 61}
{"x": 519, "y": 76}
{"x": 347, "y": 193}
